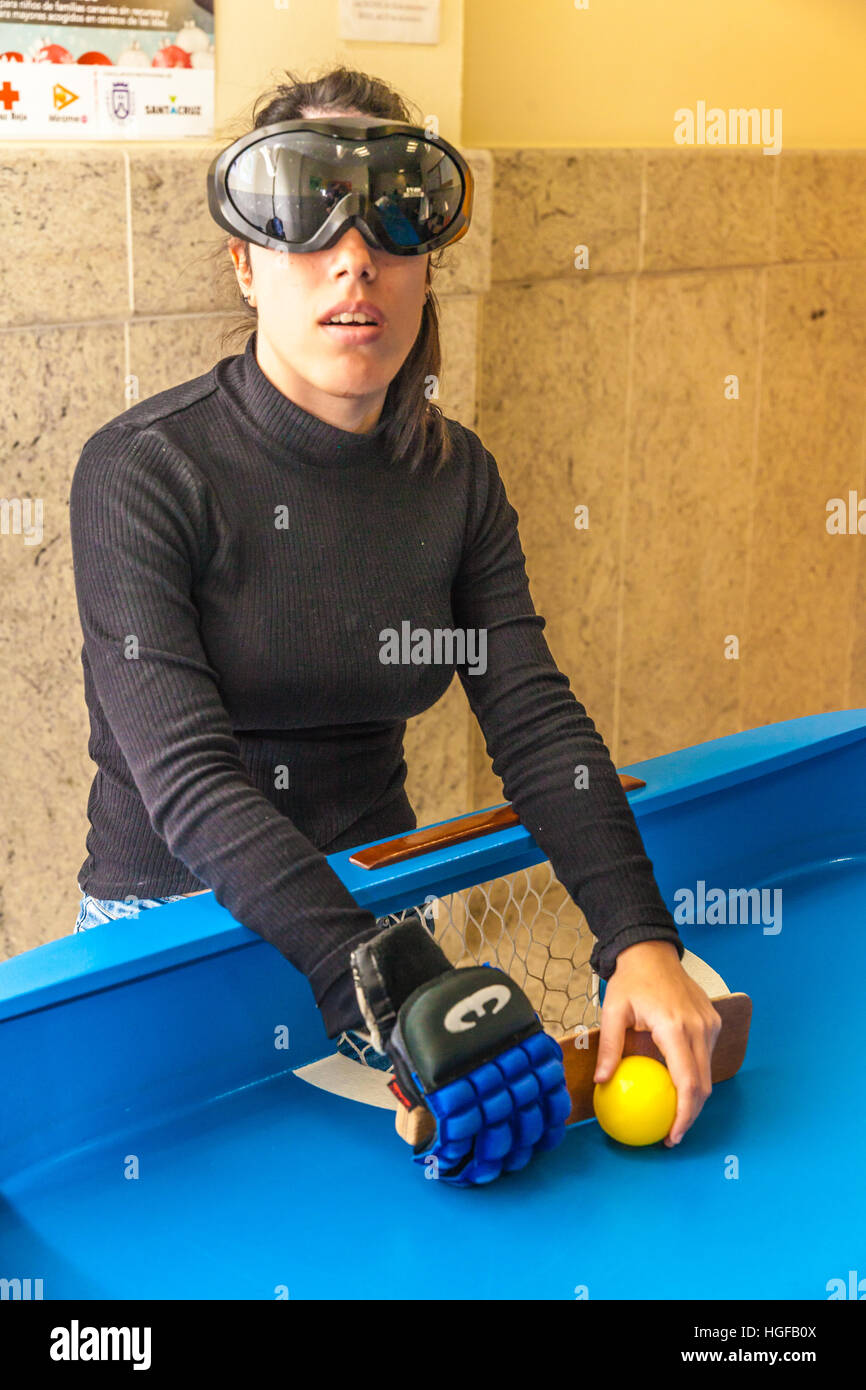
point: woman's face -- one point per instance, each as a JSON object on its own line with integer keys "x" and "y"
{"x": 294, "y": 292}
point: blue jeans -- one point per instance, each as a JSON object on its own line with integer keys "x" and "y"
{"x": 93, "y": 912}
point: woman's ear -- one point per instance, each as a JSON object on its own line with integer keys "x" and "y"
{"x": 243, "y": 269}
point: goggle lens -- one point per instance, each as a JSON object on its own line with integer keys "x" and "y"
{"x": 288, "y": 186}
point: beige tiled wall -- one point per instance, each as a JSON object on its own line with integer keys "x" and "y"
{"x": 600, "y": 386}
{"x": 605, "y": 386}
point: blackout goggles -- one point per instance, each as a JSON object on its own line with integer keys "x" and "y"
{"x": 299, "y": 185}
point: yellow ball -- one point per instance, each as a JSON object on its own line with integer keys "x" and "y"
{"x": 638, "y": 1104}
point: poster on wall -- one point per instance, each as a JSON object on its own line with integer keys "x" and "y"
{"x": 390, "y": 21}
{"x": 87, "y": 70}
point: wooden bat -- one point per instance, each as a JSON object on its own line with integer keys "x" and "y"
{"x": 580, "y": 1049}
{"x": 580, "y": 1052}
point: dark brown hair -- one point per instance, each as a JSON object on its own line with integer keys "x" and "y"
{"x": 415, "y": 427}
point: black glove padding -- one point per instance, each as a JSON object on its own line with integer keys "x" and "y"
{"x": 388, "y": 968}
{"x": 439, "y": 1024}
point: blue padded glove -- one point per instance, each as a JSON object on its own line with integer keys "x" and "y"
{"x": 467, "y": 1046}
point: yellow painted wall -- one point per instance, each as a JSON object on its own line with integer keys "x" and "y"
{"x": 255, "y": 43}
{"x": 544, "y": 73}
{"x": 541, "y": 72}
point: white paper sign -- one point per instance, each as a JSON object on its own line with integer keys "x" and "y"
{"x": 390, "y": 21}
{"x": 39, "y": 100}
{"x": 94, "y": 69}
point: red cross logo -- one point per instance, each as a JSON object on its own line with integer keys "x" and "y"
{"x": 8, "y": 95}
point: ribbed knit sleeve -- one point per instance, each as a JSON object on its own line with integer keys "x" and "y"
{"x": 538, "y": 735}
{"x": 141, "y": 523}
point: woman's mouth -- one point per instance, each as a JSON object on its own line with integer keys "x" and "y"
{"x": 355, "y": 333}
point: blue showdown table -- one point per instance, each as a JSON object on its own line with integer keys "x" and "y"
{"x": 155, "y": 1142}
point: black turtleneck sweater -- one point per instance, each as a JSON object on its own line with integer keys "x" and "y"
{"x": 236, "y": 560}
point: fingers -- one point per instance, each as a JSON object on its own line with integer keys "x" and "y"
{"x": 415, "y": 1126}
{"x": 687, "y": 1046}
{"x": 686, "y": 1038}
{"x": 614, "y": 1021}
{"x": 686, "y": 1074}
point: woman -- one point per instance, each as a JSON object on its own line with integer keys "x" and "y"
{"x": 244, "y": 542}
